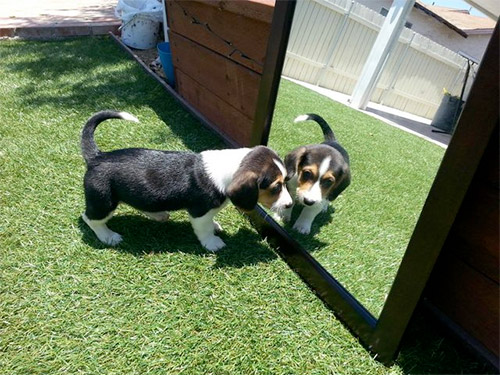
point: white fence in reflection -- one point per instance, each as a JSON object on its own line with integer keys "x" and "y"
{"x": 330, "y": 42}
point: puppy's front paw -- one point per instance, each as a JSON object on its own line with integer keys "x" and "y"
{"x": 302, "y": 227}
{"x": 325, "y": 206}
{"x": 111, "y": 238}
{"x": 287, "y": 216}
{"x": 284, "y": 216}
{"x": 213, "y": 243}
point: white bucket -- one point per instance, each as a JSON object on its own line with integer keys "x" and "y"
{"x": 140, "y": 32}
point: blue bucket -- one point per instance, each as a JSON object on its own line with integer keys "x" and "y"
{"x": 166, "y": 61}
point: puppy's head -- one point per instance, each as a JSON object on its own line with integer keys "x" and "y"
{"x": 260, "y": 178}
{"x": 320, "y": 171}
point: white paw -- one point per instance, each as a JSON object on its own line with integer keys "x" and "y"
{"x": 283, "y": 215}
{"x": 111, "y": 238}
{"x": 213, "y": 243}
{"x": 287, "y": 216}
{"x": 217, "y": 227}
{"x": 301, "y": 227}
{"x": 325, "y": 206}
{"x": 277, "y": 217}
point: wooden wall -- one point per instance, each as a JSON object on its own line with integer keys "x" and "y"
{"x": 218, "y": 50}
{"x": 464, "y": 284}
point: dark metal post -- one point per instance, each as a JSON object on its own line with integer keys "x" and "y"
{"x": 270, "y": 81}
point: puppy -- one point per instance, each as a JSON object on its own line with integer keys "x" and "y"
{"x": 316, "y": 175}
{"x": 157, "y": 182}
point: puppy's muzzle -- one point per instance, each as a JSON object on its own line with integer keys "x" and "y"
{"x": 285, "y": 201}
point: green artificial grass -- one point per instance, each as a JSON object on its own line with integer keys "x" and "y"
{"x": 158, "y": 303}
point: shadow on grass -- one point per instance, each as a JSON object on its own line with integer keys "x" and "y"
{"x": 428, "y": 349}
{"x": 309, "y": 241}
{"x": 95, "y": 74}
{"x": 142, "y": 237}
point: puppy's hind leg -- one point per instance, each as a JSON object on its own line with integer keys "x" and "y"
{"x": 99, "y": 208}
{"x": 102, "y": 231}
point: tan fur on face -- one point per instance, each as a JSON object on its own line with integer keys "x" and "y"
{"x": 325, "y": 190}
{"x": 266, "y": 197}
{"x": 306, "y": 185}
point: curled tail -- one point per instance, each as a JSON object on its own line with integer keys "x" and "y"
{"x": 89, "y": 147}
{"x": 327, "y": 131}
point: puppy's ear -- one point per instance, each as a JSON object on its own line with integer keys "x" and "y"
{"x": 345, "y": 180}
{"x": 243, "y": 190}
{"x": 292, "y": 161}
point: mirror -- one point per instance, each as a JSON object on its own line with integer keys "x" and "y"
{"x": 362, "y": 236}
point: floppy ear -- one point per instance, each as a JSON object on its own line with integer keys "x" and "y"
{"x": 345, "y": 180}
{"x": 292, "y": 161}
{"x": 243, "y": 190}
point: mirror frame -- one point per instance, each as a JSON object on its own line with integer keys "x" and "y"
{"x": 476, "y": 124}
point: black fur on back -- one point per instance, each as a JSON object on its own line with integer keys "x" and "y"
{"x": 151, "y": 181}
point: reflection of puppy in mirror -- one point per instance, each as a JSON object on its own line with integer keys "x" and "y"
{"x": 316, "y": 174}
{"x": 157, "y": 182}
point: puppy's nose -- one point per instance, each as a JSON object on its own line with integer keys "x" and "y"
{"x": 289, "y": 205}
{"x": 308, "y": 202}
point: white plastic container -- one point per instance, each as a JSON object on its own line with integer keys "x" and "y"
{"x": 141, "y": 32}
{"x": 140, "y": 22}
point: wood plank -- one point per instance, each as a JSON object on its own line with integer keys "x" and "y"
{"x": 225, "y": 27}
{"x": 229, "y": 121}
{"x": 468, "y": 298}
{"x": 231, "y": 82}
{"x": 261, "y": 10}
{"x": 475, "y": 234}
{"x": 489, "y": 170}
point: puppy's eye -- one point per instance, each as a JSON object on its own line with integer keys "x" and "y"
{"x": 276, "y": 189}
{"x": 306, "y": 175}
{"x": 327, "y": 182}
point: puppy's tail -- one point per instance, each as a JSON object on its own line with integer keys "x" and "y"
{"x": 327, "y": 131}
{"x": 89, "y": 147}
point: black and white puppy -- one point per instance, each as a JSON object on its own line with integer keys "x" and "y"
{"x": 316, "y": 175}
{"x": 157, "y": 182}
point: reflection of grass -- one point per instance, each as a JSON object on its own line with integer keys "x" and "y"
{"x": 158, "y": 304}
{"x": 363, "y": 242}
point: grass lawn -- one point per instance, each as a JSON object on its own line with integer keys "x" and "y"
{"x": 158, "y": 303}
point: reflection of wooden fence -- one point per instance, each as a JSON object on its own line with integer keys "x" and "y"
{"x": 330, "y": 42}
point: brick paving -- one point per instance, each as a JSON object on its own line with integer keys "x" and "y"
{"x": 57, "y": 18}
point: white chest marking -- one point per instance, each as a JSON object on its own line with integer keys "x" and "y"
{"x": 314, "y": 193}
{"x": 221, "y": 165}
